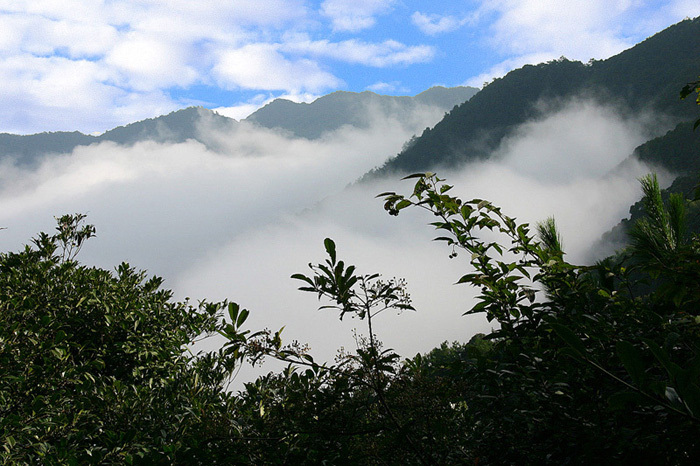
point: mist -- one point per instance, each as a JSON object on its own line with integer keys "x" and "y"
{"x": 237, "y": 222}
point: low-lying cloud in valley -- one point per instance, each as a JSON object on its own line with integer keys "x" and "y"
{"x": 237, "y": 223}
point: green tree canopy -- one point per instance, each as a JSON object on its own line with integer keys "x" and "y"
{"x": 96, "y": 366}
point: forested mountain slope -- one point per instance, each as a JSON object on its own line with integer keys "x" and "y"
{"x": 25, "y": 148}
{"x": 174, "y": 127}
{"x": 646, "y": 77}
{"x": 676, "y": 151}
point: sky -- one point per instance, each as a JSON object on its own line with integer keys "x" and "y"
{"x": 91, "y": 65}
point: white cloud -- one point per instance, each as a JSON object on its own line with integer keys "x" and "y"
{"x": 237, "y": 112}
{"x": 43, "y": 36}
{"x": 147, "y": 63}
{"x": 532, "y": 31}
{"x": 77, "y": 10}
{"x": 684, "y": 8}
{"x": 591, "y": 139}
{"x": 40, "y": 92}
{"x": 381, "y": 54}
{"x": 107, "y": 63}
{"x": 382, "y": 87}
{"x": 262, "y": 66}
{"x": 354, "y": 15}
{"x": 191, "y": 198}
{"x": 579, "y": 29}
{"x": 530, "y": 162}
{"x": 138, "y": 14}
{"x": 434, "y": 24}
{"x": 298, "y": 97}
{"x": 243, "y": 109}
{"x": 151, "y": 51}
{"x": 549, "y": 164}
{"x": 228, "y": 224}
{"x": 123, "y": 52}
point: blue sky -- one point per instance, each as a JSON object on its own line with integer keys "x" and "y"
{"x": 92, "y": 65}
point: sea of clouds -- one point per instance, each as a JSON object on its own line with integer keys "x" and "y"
{"x": 236, "y": 223}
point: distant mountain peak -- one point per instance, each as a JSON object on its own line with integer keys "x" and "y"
{"x": 339, "y": 108}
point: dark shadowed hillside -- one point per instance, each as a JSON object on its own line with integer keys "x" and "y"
{"x": 645, "y": 77}
{"x": 678, "y": 151}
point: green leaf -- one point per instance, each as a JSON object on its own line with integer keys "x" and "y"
{"x": 299, "y": 276}
{"x": 308, "y": 358}
{"x": 631, "y": 358}
{"x": 662, "y": 357}
{"x": 330, "y": 248}
{"x": 60, "y": 336}
{"x": 570, "y": 338}
{"x": 414, "y": 175}
{"x": 672, "y": 396}
{"x": 233, "y": 311}
{"x": 242, "y": 317}
{"x": 402, "y": 204}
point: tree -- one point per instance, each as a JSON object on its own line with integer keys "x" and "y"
{"x": 584, "y": 366}
{"x": 580, "y": 348}
{"x": 96, "y": 366}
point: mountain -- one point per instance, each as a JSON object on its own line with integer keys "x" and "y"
{"x": 677, "y": 151}
{"x": 647, "y": 77}
{"x": 330, "y": 112}
{"x": 303, "y": 120}
{"x": 174, "y": 127}
{"x": 25, "y": 149}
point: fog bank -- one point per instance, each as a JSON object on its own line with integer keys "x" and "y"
{"x": 238, "y": 222}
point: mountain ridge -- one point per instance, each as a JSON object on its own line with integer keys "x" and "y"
{"x": 174, "y": 127}
{"x": 339, "y": 108}
{"x": 183, "y": 124}
{"x": 648, "y": 76}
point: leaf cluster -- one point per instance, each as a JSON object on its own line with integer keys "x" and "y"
{"x": 97, "y": 367}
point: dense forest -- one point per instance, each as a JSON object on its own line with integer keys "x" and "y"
{"x": 643, "y": 78}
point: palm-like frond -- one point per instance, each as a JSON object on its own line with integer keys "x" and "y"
{"x": 549, "y": 236}
{"x": 663, "y": 229}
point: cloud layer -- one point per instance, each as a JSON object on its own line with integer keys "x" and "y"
{"x": 238, "y": 223}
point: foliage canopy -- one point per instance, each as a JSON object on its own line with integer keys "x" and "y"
{"x": 587, "y": 364}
